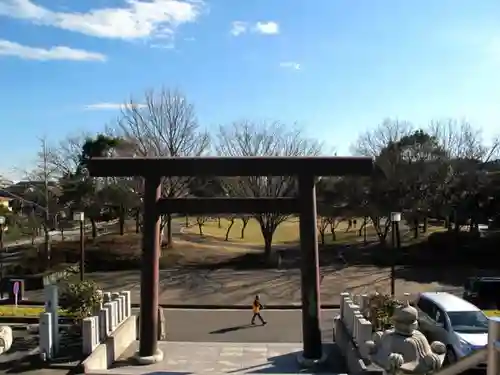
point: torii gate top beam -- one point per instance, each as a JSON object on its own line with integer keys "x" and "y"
{"x": 230, "y": 166}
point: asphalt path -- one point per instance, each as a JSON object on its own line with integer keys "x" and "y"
{"x": 200, "y": 325}
{"x": 11, "y": 256}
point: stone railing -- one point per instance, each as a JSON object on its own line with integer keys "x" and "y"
{"x": 116, "y": 308}
{"x": 357, "y": 326}
{"x": 361, "y": 331}
{"x": 352, "y": 307}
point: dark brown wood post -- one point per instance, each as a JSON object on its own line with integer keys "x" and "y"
{"x": 311, "y": 331}
{"x": 150, "y": 279}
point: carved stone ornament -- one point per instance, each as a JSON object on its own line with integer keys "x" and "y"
{"x": 404, "y": 349}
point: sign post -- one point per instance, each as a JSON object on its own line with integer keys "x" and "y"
{"x": 16, "y": 292}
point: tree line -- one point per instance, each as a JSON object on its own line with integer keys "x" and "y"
{"x": 443, "y": 170}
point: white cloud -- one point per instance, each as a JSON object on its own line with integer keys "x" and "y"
{"x": 136, "y": 19}
{"x": 266, "y": 28}
{"x": 13, "y": 49}
{"x": 291, "y": 65}
{"x": 238, "y": 27}
{"x": 269, "y": 28}
{"x": 111, "y": 106}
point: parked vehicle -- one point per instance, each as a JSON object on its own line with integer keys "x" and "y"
{"x": 457, "y": 323}
{"x": 484, "y": 292}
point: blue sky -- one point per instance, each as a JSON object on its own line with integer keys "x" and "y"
{"x": 337, "y": 67}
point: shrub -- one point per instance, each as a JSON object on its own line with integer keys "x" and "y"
{"x": 380, "y": 310}
{"x": 81, "y": 299}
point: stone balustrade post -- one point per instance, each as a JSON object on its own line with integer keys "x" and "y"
{"x": 107, "y": 307}
{"x": 123, "y": 307}
{"x": 364, "y": 334}
{"x": 343, "y": 296}
{"x": 114, "y": 315}
{"x": 88, "y": 333}
{"x": 364, "y": 302}
{"x": 46, "y": 333}
{"x": 109, "y": 312}
{"x": 106, "y": 297}
{"x": 352, "y": 308}
{"x": 128, "y": 305}
{"x": 115, "y": 298}
{"x": 103, "y": 324}
{"x": 357, "y": 317}
{"x": 96, "y": 333}
{"x": 347, "y": 302}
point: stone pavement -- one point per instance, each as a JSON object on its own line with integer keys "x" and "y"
{"x": 231, "y": 358}
{"x": 233, "y": 326}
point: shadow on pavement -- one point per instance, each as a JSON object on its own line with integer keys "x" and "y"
{"x": 232, "y": 329}
{"x": 287, "y": 363}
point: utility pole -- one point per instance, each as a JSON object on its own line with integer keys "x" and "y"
{"x": 44, "y": 155}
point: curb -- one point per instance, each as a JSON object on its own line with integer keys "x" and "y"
{"x": 27, "y": 320}
{"x": 291, "y": 306}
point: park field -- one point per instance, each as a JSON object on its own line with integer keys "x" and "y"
{"x": 286, "y": 233}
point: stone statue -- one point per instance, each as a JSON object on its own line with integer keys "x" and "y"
{"x": 404, "y": 349}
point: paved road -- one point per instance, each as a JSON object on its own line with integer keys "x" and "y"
{"x": 233, "y": 325}
{"x": 55, "y": 235}
{"x": 11, "y": 256}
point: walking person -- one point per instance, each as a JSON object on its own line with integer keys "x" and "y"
{"x": 256, "y": 307}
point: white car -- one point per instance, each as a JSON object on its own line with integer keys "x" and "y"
{"x": 460, "y": 325}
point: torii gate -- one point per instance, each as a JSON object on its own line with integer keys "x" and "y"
{"x": 305, "y": 168}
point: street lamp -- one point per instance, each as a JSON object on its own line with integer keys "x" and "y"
{"x": 79, "y": 216}
{"x": 59, "y": 216}
{"x": 395, "y": 219}
{"x": 2, "y": 222}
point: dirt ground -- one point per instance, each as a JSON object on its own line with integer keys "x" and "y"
{"x": 182, "y": 286}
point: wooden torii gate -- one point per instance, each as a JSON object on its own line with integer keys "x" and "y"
{"x": 305, "y": 168}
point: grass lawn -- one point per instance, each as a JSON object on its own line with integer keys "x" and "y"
{"x": 286, "y": 232}
{"x": 25, "y": 311}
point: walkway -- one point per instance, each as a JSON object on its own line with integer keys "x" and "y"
{"x": 226, "y": 358}
{"x": 284, "y": 326}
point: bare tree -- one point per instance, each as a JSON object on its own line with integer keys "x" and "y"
{"x": 244, "y": 222}
{"x": 246, "y": 138}
{"x": 367, "y": 195}
{"x": 41, "y": 191}
{"x": 372, "y": 142}
{"x": 468, "y": 156}
{"x": 64, "y": 158}
{"x": 231, "y": 220}
{"x": 462, "y": 141}
{"x": 165, "y": 126}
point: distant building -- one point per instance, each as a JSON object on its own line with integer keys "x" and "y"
{"x": 5, "y": 182}
{"x": 5, "y": 203}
